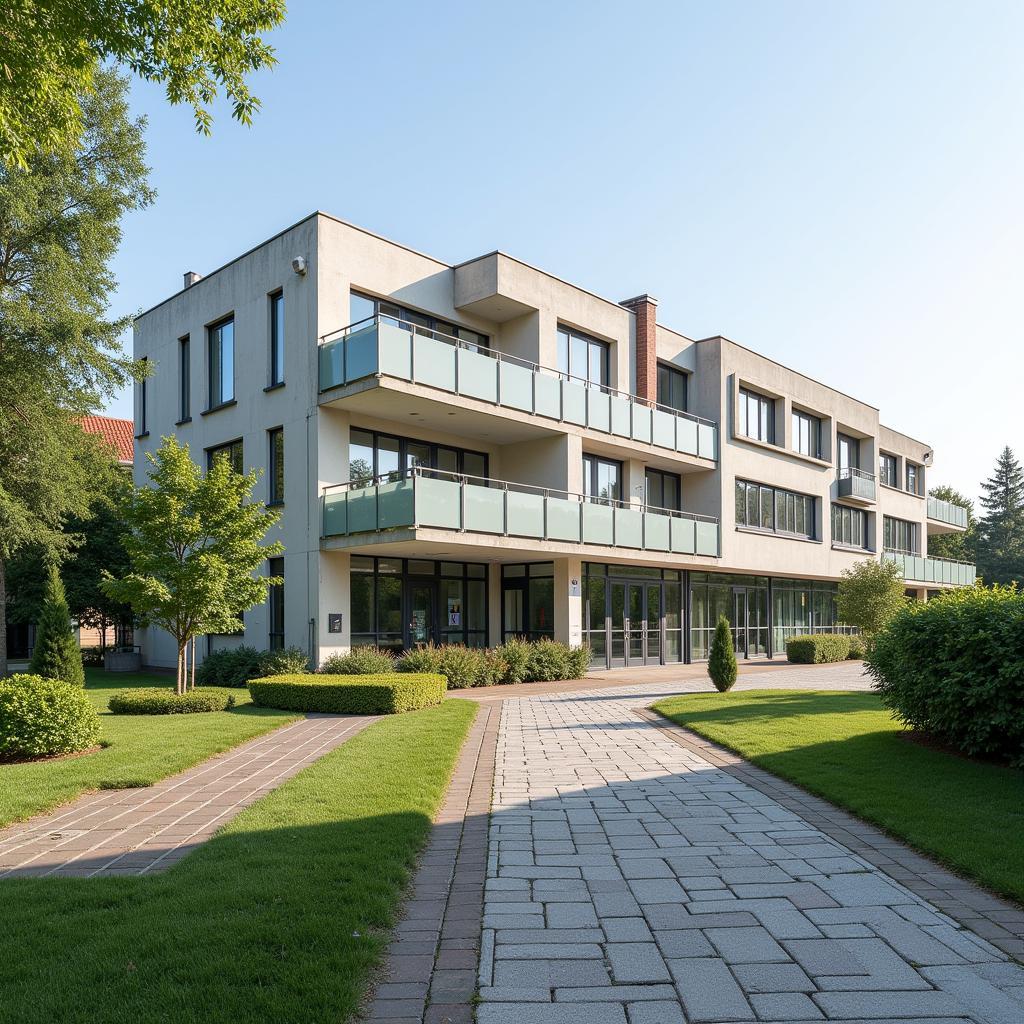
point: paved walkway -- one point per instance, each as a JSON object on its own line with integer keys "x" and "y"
{"x": 142, "y": 831}
{"x": 631, "y": 879}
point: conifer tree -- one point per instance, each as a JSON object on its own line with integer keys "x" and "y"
{"x": 56, "y": 654}
{"x": 722, "y": 665}
{"x": 1001, "y": 529}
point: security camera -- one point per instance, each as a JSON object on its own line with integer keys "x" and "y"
{"x": 299, "y": 265}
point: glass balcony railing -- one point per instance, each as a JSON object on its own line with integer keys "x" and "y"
{"x": 449, "y": 501}
{"x": 856, "y": 484}
{"x": 919, "y": 569}
{"x": 394, "y": 348}
{"x": 946, "y": 512}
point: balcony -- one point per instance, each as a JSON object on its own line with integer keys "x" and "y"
{"x": 423, "y": 498}
{"x": 856, "y": 486}
{"x": 388, "y": 347}
{"x": 918, "y": 569}
{"x": 947, "y": 513}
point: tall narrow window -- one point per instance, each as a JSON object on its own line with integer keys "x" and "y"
{"x": 913, "y": 478}
{"x": 582, "y": 357}
{"x": 806, "y": 434}
{"x": 142, "y": 412}
{"x": 756, "y": 416}
{"x": 601, "y": 480}
{"x": 276, "y": 568}
{"x": 671, "y": 387}
{"x": 848, "y": 449}
{"x": 184, "y": 380}
{"x": 222, "y": 363}
{"x": 276, "y": 438}
{"x": 277, "y": 338}
{"x": 887, "y": 470}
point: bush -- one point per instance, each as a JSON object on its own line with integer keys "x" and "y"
{"x": 92, "y": 657}
{"x": 360, "y": 661}
{"x": 384, "y": 694}
{"x": 40, "y": 717}
{"x": 425, "y": 658}
{"x": 160, "y": 701}
{"x": 461, "y": 666}
{"x": 548, "y": 661}
{"x": 286, "y": 662}
{"x": 856, "y": 647}
{"x": 56, "y": 654}
{"x": 578, "y": 661}
{"x": 722, "y": 667}
{"x": 233, "y": 666}
{"x": 818, "y": 648}
{"x": 954, "y": 668}
{"x": 493, "y": 667}
{"x": 870, "y": 593}
{"x": 516, "y": 653}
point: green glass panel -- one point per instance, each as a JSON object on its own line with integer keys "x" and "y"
{"x": 620, "y": 416}
{"x": 525, "y": 514}
{"x": 437, "y": 503}
{"x": 478, "y": 375}
{"x": 548, "y": 394}
{"x": 433, "y": 362}
{"x": 484, "y": 509}
{"x": 516, "y": 386}
{"x": 394, "y": 347}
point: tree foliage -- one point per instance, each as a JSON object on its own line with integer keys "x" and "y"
{"x": 870, "y": 594}
{"x": 194, "y": 546}
{"x": 1000, "y": 543}
{"x": 961, "y": 546}
{"x": 52, "y": 53}
{"x": 60, "y": 354}
{"x": 722, "y": 667}
{"x": 56, "y": 654}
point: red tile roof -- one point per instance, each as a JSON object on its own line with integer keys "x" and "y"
{"x": 120, "y": 434}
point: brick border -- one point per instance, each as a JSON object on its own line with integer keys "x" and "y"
{"x": 998, "y": 920}
{"x": 429, "y": 975}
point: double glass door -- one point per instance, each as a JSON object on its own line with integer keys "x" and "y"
{"x": 750, "y": 621}
{"x": 420, "y": 614}
{"x": 636, "y": 623}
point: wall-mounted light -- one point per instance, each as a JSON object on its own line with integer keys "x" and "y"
{"x": 299, "y": 265}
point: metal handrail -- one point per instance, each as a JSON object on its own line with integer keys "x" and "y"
{"x": 398, "y": 475}
{"x": 845, "y": 472}
{"x": 509, "y": 358}
{"x": 931, "y": 558}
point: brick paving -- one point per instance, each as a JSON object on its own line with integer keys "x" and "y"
{"x": 146, "y": 830}
{"x": 632, "y": 877}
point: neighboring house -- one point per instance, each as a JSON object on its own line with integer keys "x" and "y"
{"x": 463, "y": 453}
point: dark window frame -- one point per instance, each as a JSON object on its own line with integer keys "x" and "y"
{"x": 668, "y": 375}
{"x": 185, "y": 378}
{"x": 747, "y": 398}
{"x": 521, "y": 583}
{"x": 216, "y": 330}
{"x": 887, "y": 462}
{"x": 275, "y": 605}
{"x": 901, "y": 536}
{"x": 275, "y": 466}
{"x": 420, "y": 320}
{"x": 771, "y": 512}
{"x": 403, "y": 455}
{"x": 143, "y": 418}
{"x": 650, "y": 471}
{"x": 915, "y": 472}
{"x": 852, "y": 444}
{"x": 277, "y": 337}
{"x": 844, "y": 516}
{"x": 590, "y": 479}
{"x": 234, "y": 450}
{"x": 565, "y": 365}
{"x": 814, "y": 433}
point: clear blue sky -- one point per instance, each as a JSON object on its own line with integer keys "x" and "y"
{"x": 838, "y": 186}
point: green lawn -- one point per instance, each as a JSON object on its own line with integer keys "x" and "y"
{"x": 280, "y": 918}
{"x": 847, "y": 748}
{"x": 142, "y": 748}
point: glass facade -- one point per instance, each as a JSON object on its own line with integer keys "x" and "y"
{"x": 398, "y": 603}
{"x": 743, "y": 600}
{"x": 373, "y": 456}
{"x": 803, "y": 606}
{"x": 528, "y": 600}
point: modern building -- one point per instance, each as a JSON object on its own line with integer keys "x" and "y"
{"x": 466, "y": 452}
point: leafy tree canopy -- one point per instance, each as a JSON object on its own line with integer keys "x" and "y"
{"x": 870, "y": 594}
{"x": 52, "y": 53}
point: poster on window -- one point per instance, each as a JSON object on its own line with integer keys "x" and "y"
{"x": 419, "y": 624}
{"x": 454, "y": 612}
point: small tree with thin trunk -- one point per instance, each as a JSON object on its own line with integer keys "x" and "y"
{"x": 722, "y": 660}
{"x": 195, "y": 545}
{"x": 870, "y": 594}
{"x": 56, "y": 654}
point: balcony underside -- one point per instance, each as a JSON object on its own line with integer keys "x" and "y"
{"x": 936, "y": 528}
{"x": 416, "y": 405}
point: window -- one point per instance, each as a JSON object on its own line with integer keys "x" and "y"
{"x": 277, "y": 338}
{"x": 914, "y": 475}
{"x": 759, "y": 507}
{"x": 142, "y": 413}
{"x": 887, "y": 470}
{"x": 848, "y": 449}
{"x": 849, "y": 526}
{"x": 276, "y": 438}
{"x": 184, "y": 379}
{"x": 362, "y": 307}
{"x": 900, "y": 536}
{"x": 663, "y": 489}
{"x": 806, "y": 434}
{"x": 232, "y": 451}
{"x": 757, "y": 416}
{"x": 222, "y": 363}
{"x": 602, "y": 480}
{"x": 528, "y": 600}
{"x": 276, "y": 597}
{"x": 671, "y": 387}
{"x": 582, "y": 357}
{"x": 375, "y": 456}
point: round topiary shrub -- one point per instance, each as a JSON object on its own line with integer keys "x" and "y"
{"x": 157, "y": 701}
{"x": 41, "y": 717}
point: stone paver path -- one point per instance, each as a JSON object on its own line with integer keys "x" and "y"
{"x": 142, "y": 831}
{"x": 631, "y": 880}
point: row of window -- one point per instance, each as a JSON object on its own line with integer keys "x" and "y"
{"x": 888, "y": 475}
{"x": 770, "y": 508}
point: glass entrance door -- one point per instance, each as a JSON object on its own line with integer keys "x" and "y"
{"x": 420, "y": 618}
{"x": 750, "y": 621}
{"x": 643, "y": 624}
{"x": 618, "y": 624}
{"x": 739, "y": 621}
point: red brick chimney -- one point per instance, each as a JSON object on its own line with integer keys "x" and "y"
{"x": 645, "y": 307}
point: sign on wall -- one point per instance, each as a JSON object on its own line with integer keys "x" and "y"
{"x": 334, "y": 622}
{"x": 574, "y": 587}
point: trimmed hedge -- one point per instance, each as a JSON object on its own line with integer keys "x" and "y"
{"x": 856, "y": 646}
{"x": 953, "y": 667}
{"x": 385, "y": 694}
{"x": 818, "y": 648}
{"x": 40, "y": 717}
{"x": 159, "y": 701}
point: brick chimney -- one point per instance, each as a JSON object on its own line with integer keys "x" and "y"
{"x": 645, "y": 308}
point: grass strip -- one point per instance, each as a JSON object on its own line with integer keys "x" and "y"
{"x": 847, "y": 748}
{"x": 279, "y": 918}
{"x": 140, "y": 749}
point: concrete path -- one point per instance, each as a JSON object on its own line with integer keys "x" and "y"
{"x": 142, "y": 831}
{"x": 630, "y": 879}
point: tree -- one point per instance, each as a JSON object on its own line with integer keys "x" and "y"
{"x": 961, "y": 546}
{"x": 52, "y": 53}
{"x": 56, "y": 654}
{"x": 60, "y": 355}
{"x": 870, "y": 594}
{"x": 722, "y": 666}
{"x": 194, "y": 546}
{"x": 1000, "y": 542}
